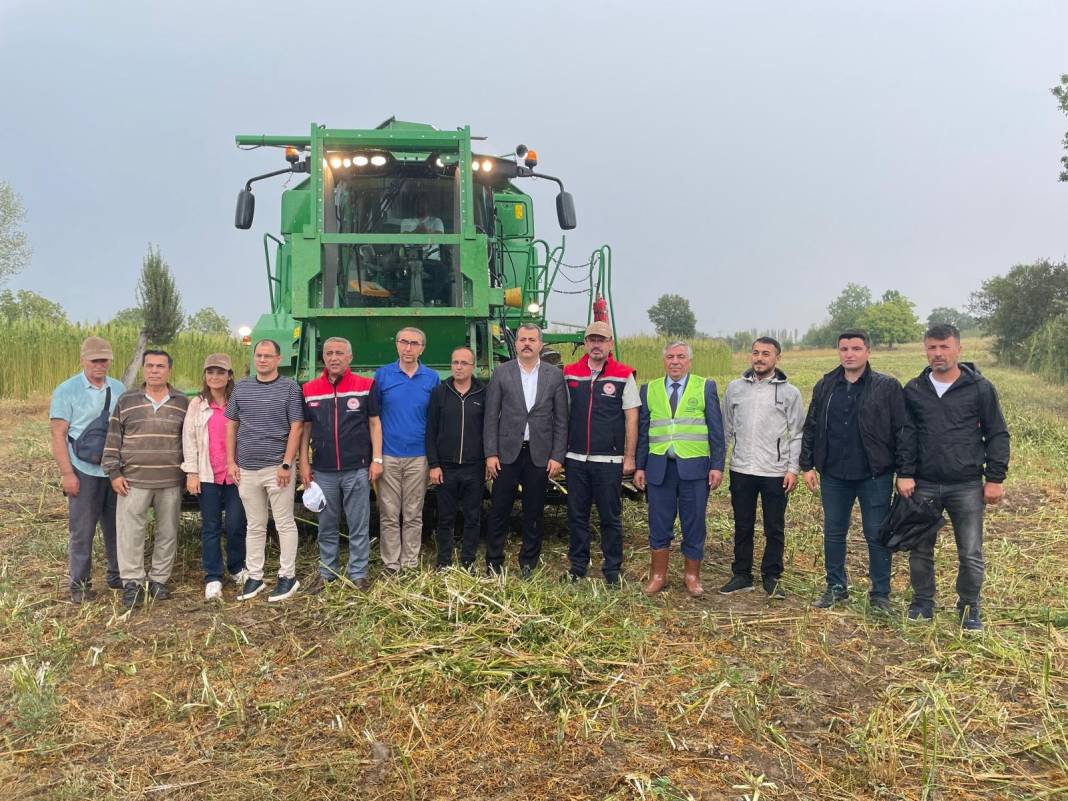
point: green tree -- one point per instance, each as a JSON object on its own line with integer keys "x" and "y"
{"x": 161, "y": 304}
{"x": 14, "y": 249}
{"x": 1061, "y": 93}
{"x": 132, "y": 316}
{"x": 953, "y": 316}
{"x": 208, "y": 321}
{"x": 28, "y": 306}
{"x": 1012, "y": 307}
{"x": 672, "y": 316}
{"x": 846, "y": 309}
{"x": 891, "y": 321}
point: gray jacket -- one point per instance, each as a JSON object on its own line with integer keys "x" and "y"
{"x": 507, "y": 416}
{"x": 764, "y": 420}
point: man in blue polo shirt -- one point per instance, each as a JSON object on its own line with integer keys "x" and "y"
{"x": 403, "y": 389}
{"x": 78, "y": 403}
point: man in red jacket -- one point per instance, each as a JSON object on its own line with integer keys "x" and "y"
{"x": 601, "y": 441}
{"x": 341, "y": 424}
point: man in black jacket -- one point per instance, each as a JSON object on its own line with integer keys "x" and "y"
{"x": 454, "y": 454}
{"x": 956, "y": 438}
{"x": 853, "y": 437}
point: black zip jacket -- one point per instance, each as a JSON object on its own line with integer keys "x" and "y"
{"x": 882, "y": 419}
{"x": 454, "y": 424}
{"x": 959, "y": 437}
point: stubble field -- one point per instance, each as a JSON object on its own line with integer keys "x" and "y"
{"x": 442, "y": 686}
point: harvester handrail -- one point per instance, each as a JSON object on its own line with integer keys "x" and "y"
{"x": 271, "y": 279}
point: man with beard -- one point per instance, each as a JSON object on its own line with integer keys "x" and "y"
{"x": 763, "y": 417}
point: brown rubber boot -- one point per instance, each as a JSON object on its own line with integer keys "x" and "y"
{"x": 692, "y": 577}
{"x": 657, "y": 572}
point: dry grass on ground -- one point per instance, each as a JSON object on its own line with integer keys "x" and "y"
{"x": 446, "y": 686}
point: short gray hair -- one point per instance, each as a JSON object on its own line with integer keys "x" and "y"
{"x": 418, "y": 331}
{"x": 342, "y": 340}
{"x": 531, "y": 327}
{"x": 679, "y": 344}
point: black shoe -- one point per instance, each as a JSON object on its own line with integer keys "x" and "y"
{"x": 252, "y": 588}
{"x": 831, "y": 596}
{"x": 737, "y": 584}
{"x": 526, "y": 571}
{"x": 133, "y": 594}
{"x": 773, "y": 588}
{"x": 970, "y": 619}
{"x": 613, "y": 581}
{"x": 82, "y": 594}
{"x": 921, "y": 612}
{"x": 571, "y": 578}
{"x": 285, "y": 588}
{"x": 114, "y": 583}
{"x": 157, "y": 591}
{"x": 881, "y": 605}
{"x": 494, "y": 570}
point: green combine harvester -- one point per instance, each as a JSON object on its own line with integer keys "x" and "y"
{"x": 404, "y": 224}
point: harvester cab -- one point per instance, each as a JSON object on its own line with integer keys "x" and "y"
{"x": 404, "y": 224}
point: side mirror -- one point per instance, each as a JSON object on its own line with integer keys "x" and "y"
{"x": 246, "y": 209}
{"x": 565, "y": 211}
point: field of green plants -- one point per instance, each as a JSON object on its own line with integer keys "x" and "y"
{"x": 35, "y": 358}
{"x": 450, "y": 686}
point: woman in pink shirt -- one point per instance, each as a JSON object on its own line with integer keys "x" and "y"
{"x": 204, "y": 446}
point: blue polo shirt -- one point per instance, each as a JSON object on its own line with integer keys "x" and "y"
{"x": 403, "y": 402}
{"x": 78, "y": 402}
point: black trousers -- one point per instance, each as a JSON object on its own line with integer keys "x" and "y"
{"x": 535, "y": 481}
{"x": 590, "y": 483}
{"x": 462, "y": 491}
{"x": 744, "y": 491}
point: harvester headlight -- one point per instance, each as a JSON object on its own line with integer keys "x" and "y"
{"x": 439, "y": 162}
{"x": 347, "y": 163}
{"x": 378, "y": 161}
{"x": 474, "y": 166}
{"x": 335, "y": 162}
{"x": 487, "y": 165}
{"x": 533, "y": 308}
{"x": 244, "y": 331}
{"x": 360, "y": 161}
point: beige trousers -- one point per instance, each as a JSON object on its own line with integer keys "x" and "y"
{"x": 401, "y": 492}
{"x": 259, "y": 492}
{"x": 131, "y": 520}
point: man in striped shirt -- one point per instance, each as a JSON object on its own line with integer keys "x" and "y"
{"x": 143, "y": 459}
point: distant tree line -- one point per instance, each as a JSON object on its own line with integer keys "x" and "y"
{"x": 889, "y": 321}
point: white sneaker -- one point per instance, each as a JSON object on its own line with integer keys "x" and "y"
{"x": 239, "y": 577}
{"x": 212, "y": 590}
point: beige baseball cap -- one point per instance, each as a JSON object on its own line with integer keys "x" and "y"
{"x": 218, "y": 360}
{"x": 599, "y": 329}
{"x": 96, "y": 348}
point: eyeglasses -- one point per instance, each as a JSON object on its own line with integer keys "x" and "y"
{"x": 459, "y": 363}
{"x": 409, "y": 343}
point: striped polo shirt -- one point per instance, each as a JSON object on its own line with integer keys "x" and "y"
{"x": 264, "y": 411}
{"x": 144, "y": 443}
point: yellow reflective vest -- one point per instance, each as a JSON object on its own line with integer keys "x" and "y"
{"x": 686, "y": 434}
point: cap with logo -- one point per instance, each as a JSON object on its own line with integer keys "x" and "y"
{"x": 599, "y": 329}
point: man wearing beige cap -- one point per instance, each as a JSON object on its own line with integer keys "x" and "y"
{"x": 601, "y": 441}
{"x": 79, "y": 413}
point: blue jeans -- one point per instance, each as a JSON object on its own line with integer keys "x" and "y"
{"x": 221, "y": 510}
{"x": 348, "y": 491}
{"x": 964, "y": 502}
{"x": 838, "y": 497}
{"x": 590, "y": 483}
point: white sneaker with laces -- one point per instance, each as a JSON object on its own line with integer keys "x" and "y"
{"x": 212, "y": 590}
{"x": 239, "y": 577}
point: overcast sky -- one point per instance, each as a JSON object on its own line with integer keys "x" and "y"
{"x": 753, "y": 157}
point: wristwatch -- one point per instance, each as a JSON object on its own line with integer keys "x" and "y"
{"x": 287, "y": 466}
{"x": 377, "y": 460}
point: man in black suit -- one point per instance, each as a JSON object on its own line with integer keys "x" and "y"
{"x": 525, "y": 439}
